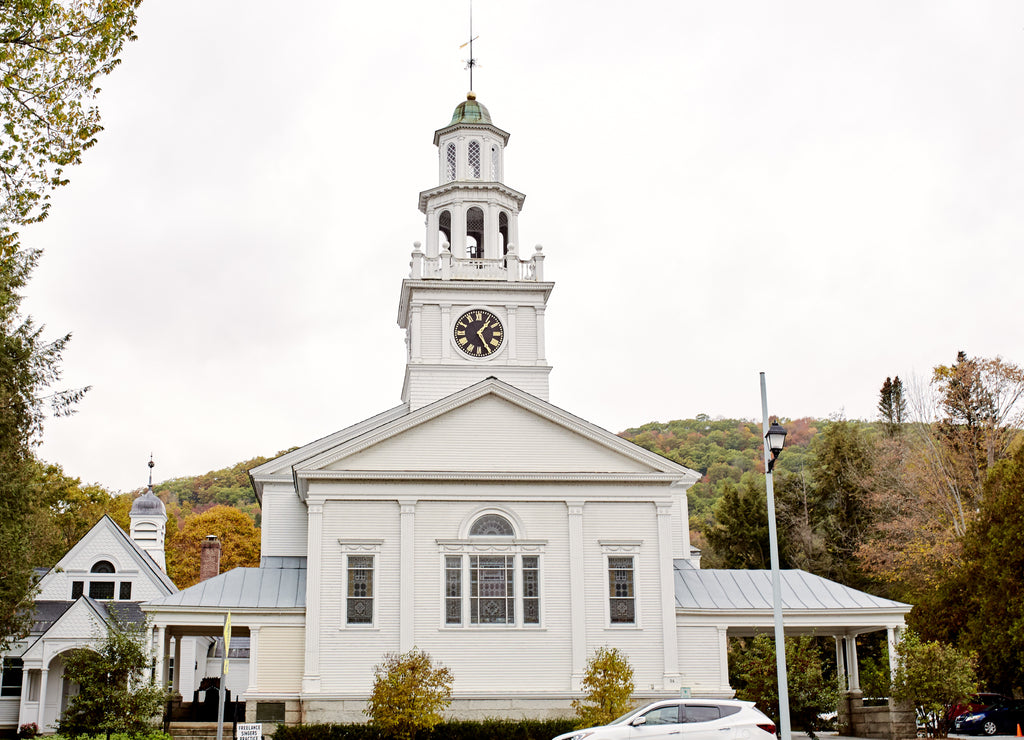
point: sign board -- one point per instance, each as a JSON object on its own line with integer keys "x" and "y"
{"x": 252, "y": 731}
{"x": 684, "y": 693}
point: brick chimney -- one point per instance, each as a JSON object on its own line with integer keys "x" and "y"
{"x": 209, "y": 557}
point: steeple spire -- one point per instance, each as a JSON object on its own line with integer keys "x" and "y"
{"x": 471, "y": 62}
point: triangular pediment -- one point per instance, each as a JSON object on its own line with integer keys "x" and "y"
{"x": 81, "y": 624}
{"x": 492, "y": 427}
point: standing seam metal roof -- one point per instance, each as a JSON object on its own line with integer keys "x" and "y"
{"x": 738, "y": 590}
{"x": 253, "y": 588}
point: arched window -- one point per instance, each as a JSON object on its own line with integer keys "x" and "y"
{"x": 103, "y": 566}
{"x": 450, "y": 162}
{"x": 475, "y": 233}
{"x": 444, "y": 226}
{"x": 474, "y": 159}
{"x": 495, "y": 169}
{"x": 503, "y": 231}
{"x": 492, "y": 525}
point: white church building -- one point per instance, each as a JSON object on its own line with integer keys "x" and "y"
{"x": 479, "y": 522}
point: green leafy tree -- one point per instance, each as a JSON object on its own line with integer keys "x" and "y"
{"x": 811, "y": 690}
{"x": 113, "y": 693}
{"x": 932, "y": 676}
{"x": 52, "y": 54}
{"x": 409, "y": 694}
{"x": 608, "y": 683}
{"x": 29, "y": 367}
{"x": 991, "y": 579}
{"x": 738, "y": 531}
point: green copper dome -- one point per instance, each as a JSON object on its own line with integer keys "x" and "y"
{"x": 470, "y": 111}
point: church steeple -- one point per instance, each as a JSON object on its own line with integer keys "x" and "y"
{"x": 148, "y": 519}
{"x": 472, "y": 308}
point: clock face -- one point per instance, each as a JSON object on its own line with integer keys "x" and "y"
{"x": 479, "y": 333}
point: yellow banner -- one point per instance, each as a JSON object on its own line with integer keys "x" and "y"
{"x": 227, "y": 640}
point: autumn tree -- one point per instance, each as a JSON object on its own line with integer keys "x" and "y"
{"x": 239, "y": 538}
{"x": 932, "y": 676}
{"x": 409, "y": 694}
{"x": 114, "y": 696}
{"x": 52, "y": 56}
{"x": 608, "y": 683}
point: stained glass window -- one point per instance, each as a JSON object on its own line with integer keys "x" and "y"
{"x": 492, "y": 525}
{"x": 360, "y": 589}
{"x": 531, "y": 590}
{"x": 621, "y": 601}
{"x": 491, "y": 591}
{"x": 453, "y": 589}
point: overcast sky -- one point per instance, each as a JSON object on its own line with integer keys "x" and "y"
{"x": 830, "y": 192}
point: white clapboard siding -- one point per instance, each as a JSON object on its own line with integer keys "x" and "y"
{"x": 431, "y": 332}
{"x": 432, "y": 382}
{"x": 526, "y": 334}
{"x": 284, "y": 523}
{"x": 280, "y": 656}
{"x": 644, "y": 644}
{"x": 700, "y": 659}
{"x": 518, "y": 440}
{"x": 9, "y": 711}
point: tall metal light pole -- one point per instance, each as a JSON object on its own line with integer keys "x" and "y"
{"x": 774, "y": 439}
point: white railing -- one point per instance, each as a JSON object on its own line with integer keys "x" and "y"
{"x": 447, "y": 267}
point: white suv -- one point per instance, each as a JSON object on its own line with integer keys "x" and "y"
{"x": 685, "y": 719}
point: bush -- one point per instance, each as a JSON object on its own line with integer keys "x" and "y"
{"x": 491, "y": 729}
{"x": 933, "y": 677}
{"x": 609, "y": 686}
{"x": 409, "y": 693}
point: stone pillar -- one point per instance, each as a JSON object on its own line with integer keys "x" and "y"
{"x": 577, "y": 597}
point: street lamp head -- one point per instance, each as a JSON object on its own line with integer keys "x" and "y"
{"x": 776, "y": 438}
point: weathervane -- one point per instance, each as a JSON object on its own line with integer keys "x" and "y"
{"x": 471, "y": 62}
{"x": 151, "y": 464}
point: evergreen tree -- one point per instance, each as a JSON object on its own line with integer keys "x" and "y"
{"x": 892, "y": 406}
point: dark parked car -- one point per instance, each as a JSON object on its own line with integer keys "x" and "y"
{"x": 976, "y": 703}
{"x": 1001, "y": 718}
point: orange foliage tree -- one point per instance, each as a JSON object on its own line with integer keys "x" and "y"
{"x": 239, "y": 538}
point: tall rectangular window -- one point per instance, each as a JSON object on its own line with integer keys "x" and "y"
{"x": 359, "y": 608}
{"x": 491, "y": 589}
{"x": 10, "y": 678}
{"x": 77, "y": 589}
{"x": 531, "y": 590}
{"x": 621, "y": 595}
{"x": 453, "y": 589}
{"x": 125, "y": 591}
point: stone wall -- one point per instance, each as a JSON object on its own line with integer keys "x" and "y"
{"x": 887, "y": 722}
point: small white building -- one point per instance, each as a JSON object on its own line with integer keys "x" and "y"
{"x": 480, "y": 522}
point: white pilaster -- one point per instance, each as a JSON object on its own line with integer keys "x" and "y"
{"x": 311, "y": 673}
{"x": 577, "y": 600}
{"x": 446, "y": 326}
{"x": 407, "y": 578}
{"x": 669, "y": 636}
{"x": 723, "y": 657}
{"x": 415, "y": 332}
{"x": 510, "y": 332}
{"x": 254, "y": 659}
{"x": 541, "y": 353}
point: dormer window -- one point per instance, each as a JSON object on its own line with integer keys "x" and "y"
{"x": 474, "y": 159}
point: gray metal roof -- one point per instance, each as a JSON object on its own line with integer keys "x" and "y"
{"x": 252, "y": 588}
{"x": 737, "y": 590}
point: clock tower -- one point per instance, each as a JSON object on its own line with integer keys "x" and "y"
{"x": 472, "y": 306}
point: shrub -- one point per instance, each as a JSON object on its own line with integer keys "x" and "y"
{"x": 409, "y": 693}
{"x": 933, "y": 677}
{"x": 609, "y": 686}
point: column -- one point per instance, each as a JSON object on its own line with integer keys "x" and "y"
{"x": 491, "y": 244}
{"x": 254, "y": 660}
{"x": 851, "y": 663}
{"x": 893, "y": 633}
{"x": 577, "y": 601}
{"x": 458, "y": 247}
{"x": 510, "y": 333}
{"x": 669, "y": 637}
{"x": 415, "y": 331}
{"x": 723, "y": 658}
{"x": 446, "y": 328}
{"x": 840, "y": 662}
{"x": 314, "y": 540}
{"x": 540, "y": 334}
{"x": 407, "y": 578}
{"x": 176, "y": 688}
{"x": 42, "y": 696}
{"x": 161, "y": 656}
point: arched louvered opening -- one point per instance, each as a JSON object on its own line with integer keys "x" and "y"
{"x": 475, "y": 233}
{"x": 474, "y": 159}
{"x": 450, "y": 159}
{"x": 492, "y": 525}
{"x": 444, "y": 227}
{"x": 103, "y": 566}
{"x": 503, "y": 231}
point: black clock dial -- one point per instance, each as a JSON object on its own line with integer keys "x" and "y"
{"x": 479, "y": 333}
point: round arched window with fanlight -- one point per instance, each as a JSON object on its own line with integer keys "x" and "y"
{"x": 492, "y": 525}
